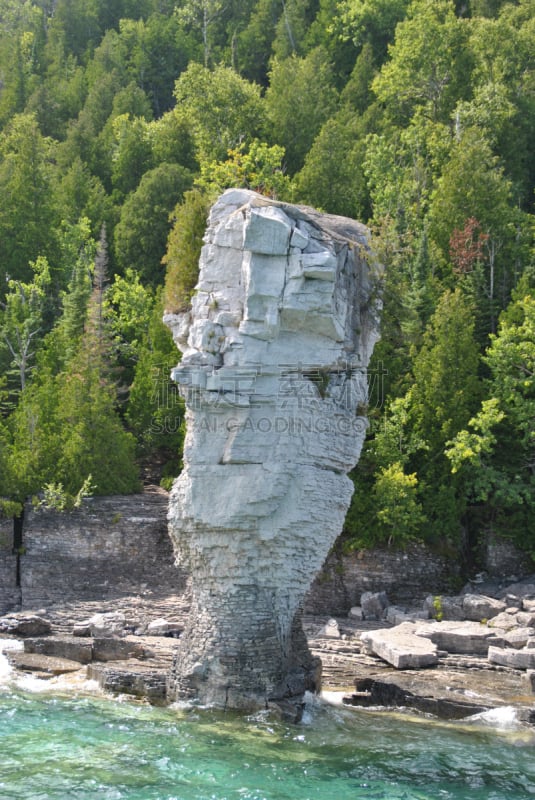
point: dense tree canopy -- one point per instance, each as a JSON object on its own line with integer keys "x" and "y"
{"x": 120, "y": 120}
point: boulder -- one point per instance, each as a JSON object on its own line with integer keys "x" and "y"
{"x": 401, "y": 647}
{"x": 478, "y": 607}
{"x": 521, "y": 590}
{"x": 526, "y": 618}
{"x": 508, "y": 657}
{"x": 468, "y": 638}
{"x": 24, "y": 625}
{"x": 518, "y": 637}
{"x": 444, "y": 607}
{"x": 396, "y": 615}
{"x": 82, "y": 629}
{"x": 287, "y": 711}
{"x": 162, "y": 627}
{"x": 355, "y": 612}
{"x": 505, "y": 621}
{"x": 103, "y": 626}
{"x": 374, "y": 605}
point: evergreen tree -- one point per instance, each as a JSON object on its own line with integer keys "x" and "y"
{"x": 300, "y": 98}
{"x": 28, "y": 216}
{"x": 95, "y": 442}
{"x": 494, "y": 455}
{"x": 142, "y": 230}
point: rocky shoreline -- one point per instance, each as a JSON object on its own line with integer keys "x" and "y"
{"x": 126, "y": 645}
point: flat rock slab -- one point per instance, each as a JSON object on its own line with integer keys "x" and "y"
{"x": 508, "y": 657}
{"x": 468, "y": 638}
{"x": 45, "y": 665}
{"x": 401, "y": 647}
{"x": 72, "y": 648}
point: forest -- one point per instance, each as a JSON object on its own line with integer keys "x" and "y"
{"x": 121, "y": 121}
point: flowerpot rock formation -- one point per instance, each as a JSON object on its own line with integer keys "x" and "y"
{"x": 274, "y": 374}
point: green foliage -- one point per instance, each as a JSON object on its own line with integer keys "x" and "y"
{"x": 495, "y": 453}
{"x": 156, "y": 413}
{"x": 399, "y": 514}
{"x": 372, "y": 21}
{"x": 131, "y": 305}
{"x": 27, "y": 213}
{"x": 8, "y": 507}
{"x": 22, "y": 317}
{"x": 133, "y": 152}
{"x": 469, "y": 180}
{"x": 93, "y": 439}
{"x": 446, "y": 384}
{"x": 66, "y": 425}
{"x": 255, "y": 42}
{"x": 143, "y": 227}
{"x": 259, "y": 168}
{"x": 35, "y": 448}
{"x": 221, "y": 109}
{"x": 332, "y": 177}
{"x": 386, "y": 510}
{"x": 184, "y": 249}
{"x": 291, "y": 28}
{"x": 300, "y": 98}
{"x": 429, "y": 64}
{"x": 79, "y": 251}
{"x": 157, "y": 50}
{"x": 437, "y": 605}
{"x": 55, "y": 497}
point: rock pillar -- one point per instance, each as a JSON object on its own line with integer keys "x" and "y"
{"x": 275, "y": 350}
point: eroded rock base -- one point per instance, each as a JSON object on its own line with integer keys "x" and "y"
{"x": 243, "y": 662}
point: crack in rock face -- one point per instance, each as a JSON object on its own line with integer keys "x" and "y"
{"x": 274, "y": 374}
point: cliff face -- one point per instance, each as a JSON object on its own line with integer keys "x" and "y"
{"x": 275, "y": 350}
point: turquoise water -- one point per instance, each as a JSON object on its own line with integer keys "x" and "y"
{"x": 79, "y": 747}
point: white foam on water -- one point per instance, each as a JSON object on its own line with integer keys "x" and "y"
{"x": 68, "y": 683}
{"x": 334, "y": 698}
{"x": 72, "y": 682}
{"x": 503, "y": 718}
{"x": 6, "y": 670}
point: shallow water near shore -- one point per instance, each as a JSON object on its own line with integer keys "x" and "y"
{"x": 66, "y": 744}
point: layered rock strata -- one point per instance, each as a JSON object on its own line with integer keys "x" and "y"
{"x": 274, "y": 373}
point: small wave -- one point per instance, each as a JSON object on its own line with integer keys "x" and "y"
{"x": 503, "y": 718}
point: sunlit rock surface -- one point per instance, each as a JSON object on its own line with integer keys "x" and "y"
{"x": 274, "y": 374}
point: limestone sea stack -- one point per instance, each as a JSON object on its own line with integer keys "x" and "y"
{"x": 274, "y": 374}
